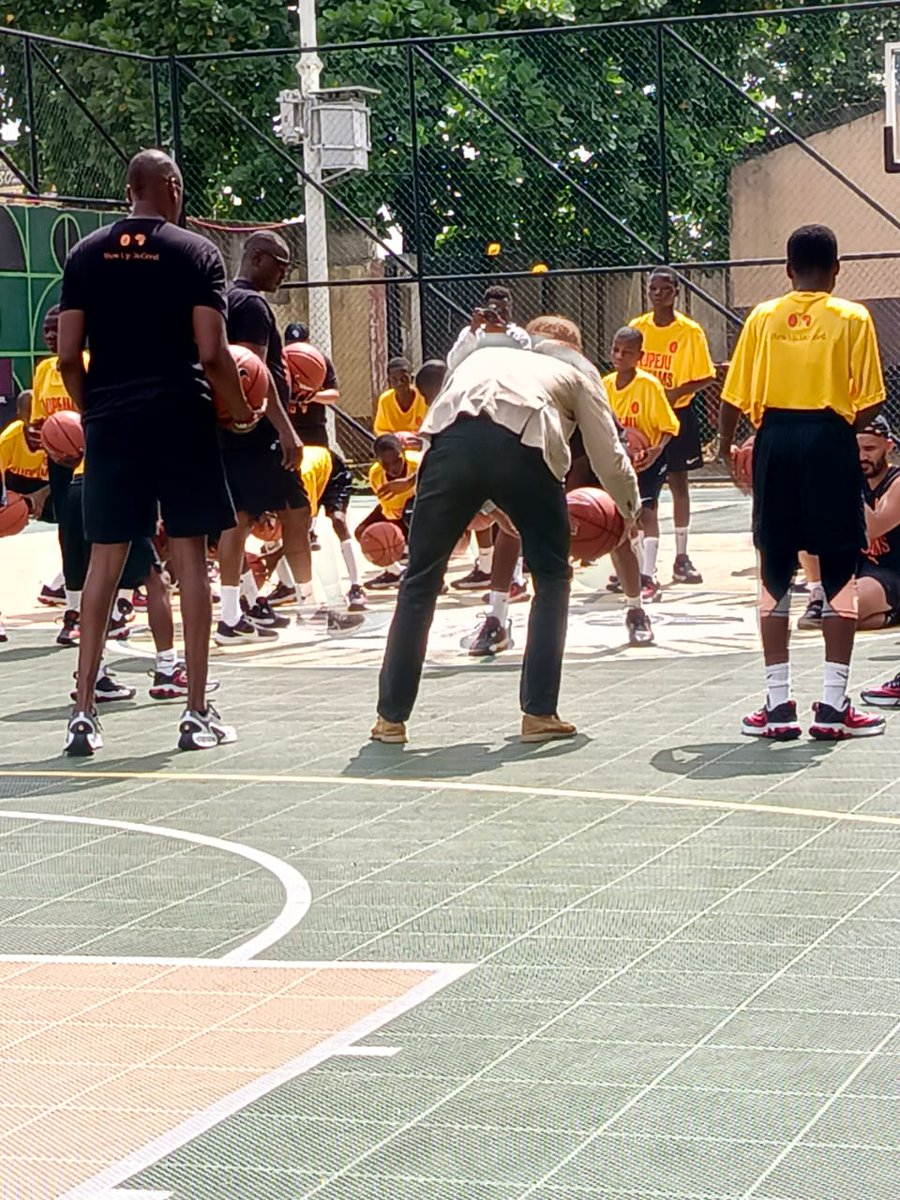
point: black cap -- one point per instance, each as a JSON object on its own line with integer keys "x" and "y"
{"x": 879, "y": 427}
{"x": 296, "y": 332}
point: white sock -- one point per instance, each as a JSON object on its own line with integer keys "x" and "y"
{"x": 816, "y": 591}
{"x": 486, "y": 560}
{"x": 519, "y": 572}
{"x": 778, "y": 683}
{"x": 349, "y": 556}
{"x": 248, "y": 589}
{"x": 165, "y": 661}
{"x": 681, "y": 541}
{"x": 231, "y": 604}
{"x": 837, "y": 675}
{"x": 101, "y": 670}
{"x": 285, "y": 574}
{"x": 499, "y": 606}
{"x": 73, "y": 601}
{"x": 633, "y": 602}
{"x": 56, "y": 582}
{"x": 305, "y": 592}
{"x": 651, "y": 550}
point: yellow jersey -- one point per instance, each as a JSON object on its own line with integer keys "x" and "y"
{"x": 17, "y": 459}
{"x": 675, "y": 353}
{"x": 393, "y": 506}
{"x": 806, "y": 350}
{"x": 643, "y": 405}
{"x": 49, "y": 392}
{"x": 316, "y": 465}
{"x": 391, "y": 418}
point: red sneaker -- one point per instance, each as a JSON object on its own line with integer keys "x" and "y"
{"x": 836, "y": 724}
{"x": 780, "y": 723}
{"x": 885, "y": 696}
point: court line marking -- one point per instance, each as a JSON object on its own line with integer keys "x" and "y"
{"x": 502, "y": 789}
{"x": 200, "y": 1123}
{"x": 330, "y": 964}
{"x": 297, "y": 895}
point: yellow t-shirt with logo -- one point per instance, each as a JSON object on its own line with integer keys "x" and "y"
{"x": 17, "y": 459}
{"x": 675, "y": 353}
{"x": 643, "y": 405}
{"x": 49, "y": 393}
{"x": 806, "y": 350}
{"x": 315, "y": 469}
{"x": 393, "y": 506}
{"x": 390, "y": 417}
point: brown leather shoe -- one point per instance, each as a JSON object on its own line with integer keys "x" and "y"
{"x": 393, "y": 733}
{"x": 545, "y": 729}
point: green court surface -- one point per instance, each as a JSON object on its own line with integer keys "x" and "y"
{"x": 658, "y": 961}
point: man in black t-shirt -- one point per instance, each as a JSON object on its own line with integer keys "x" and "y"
{"x": 309, "y": 418}
{"x": 261, "y": 467}
{"x": 149, "y": 297}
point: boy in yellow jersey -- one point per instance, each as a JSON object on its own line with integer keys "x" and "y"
{"x": 677, "y": 353}
{"x": 392, "y": 477}
{"x": 25, "y": 469}
{"x": 402, "y": 408}
{"x": 328, "y": 484}
{"x": 638, "y": 400}
{"x": 806, "y": 371}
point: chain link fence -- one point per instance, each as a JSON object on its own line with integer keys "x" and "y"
{"x": 562, "y": 162}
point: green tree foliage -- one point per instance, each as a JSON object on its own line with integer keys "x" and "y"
{"x": 586, "y": 100}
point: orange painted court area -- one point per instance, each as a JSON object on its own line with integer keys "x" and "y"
{"x": 103, "y": 1057}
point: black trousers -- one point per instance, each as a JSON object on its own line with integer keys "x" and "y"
{"x": 471, "y": 462}
{"x": 59, "y": 478}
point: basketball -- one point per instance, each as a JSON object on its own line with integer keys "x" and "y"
{"x": 383, "y": 543}
{"x": 267, "y": 528}
{"x": 14, "y": 516}
{"x": 62, "y": 436}
{"x": 254, "y": 377}
{"x": 481, "y": 521}
{"x": 595, "y": 523}
{"x": 306, "y": 367}
{"x": 743, "y": 464}
{"x": 635, "y": 441}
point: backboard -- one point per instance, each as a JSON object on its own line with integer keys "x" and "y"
{"x": 891, "y": 106}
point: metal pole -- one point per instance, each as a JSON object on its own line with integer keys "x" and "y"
{"x": 661, "y": 141}
{"x": 309, "y": 69}
{"x": 418, "y": 233}
{"x": 157, "y": 110}
{"x": 34, "y": 160}
{"x": 175, "y": 96}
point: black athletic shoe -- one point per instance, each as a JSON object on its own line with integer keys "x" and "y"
{"x": 812, "y": 618}
{"x": 106, "y": 689}
{"x": 203, "y": 730}
{"x": 262, "y": 614}
{"x": 244, "y": 631}
{"x": 640, "y": 631}
{"x": 122, "y": 616}
{"x": 387, "y": 579}
{"x": 779, "y": 723}
{"x": 684, "y": 571}
{"x": 613, "y": 585}
{"x": 473, "y": 582}
{"x": 491, "y": 638}
{"x": 338, "y": 622}
{"x": 3, "y": 635}
{"x": 281, "y": 595}
{"x": 83, "y": 736}
{"x": 356, "y": 599}
{"x": 173, "y": 685}
{"x": 68, "y": 635}
{"x": 837, "y": 724}
{"x": 52, "y": 597}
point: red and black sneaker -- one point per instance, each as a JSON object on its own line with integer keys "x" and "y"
{"x": 885, "y": 696}
{"x": 779, "y": 723}
{"x": 836, "y": 724}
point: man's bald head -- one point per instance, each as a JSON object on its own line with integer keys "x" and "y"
{"x": 155, "y": 186}
{"x": 265, "y": 260}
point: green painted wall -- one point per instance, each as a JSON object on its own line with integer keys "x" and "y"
{"x": 34, "y": 242}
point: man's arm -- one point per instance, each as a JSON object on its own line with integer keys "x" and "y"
{"x": 729, "y": 416}
{"x": 217, "y": 363}
{"x": 885, "y": 516}
{"x": 71, "y": 354}
{"x": 606, "y": 454}
{"x": 687, "y": 389}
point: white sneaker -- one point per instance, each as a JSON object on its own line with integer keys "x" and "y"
{"x": 203, "y": 730}
{"x": 83, "y": 735}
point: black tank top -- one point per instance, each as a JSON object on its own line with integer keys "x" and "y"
{"x": 884, "y": 550}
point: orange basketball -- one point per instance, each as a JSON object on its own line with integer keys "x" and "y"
{"x": 306, "y": 368}
{"x": 743, "y": 464}
{"x": 62, "y": 436}
{"x": 595, "y": 523}
{"x": 383, "y": 543}
{"x": 267, "y": 528}
{"x": 481, "y": 521}
{"x": 254, "y": 377}
{"x": 635, "y": 441}
{"x": 14, "y": 515}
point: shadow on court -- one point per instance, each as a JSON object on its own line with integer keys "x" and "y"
{"x": 71, "y": 781}
{"x": 465, "y": 758}
{"x": 720, "y": 760}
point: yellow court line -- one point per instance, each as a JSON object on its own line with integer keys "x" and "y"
{"x": 502, "y": 789}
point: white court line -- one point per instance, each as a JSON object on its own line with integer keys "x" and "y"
{"x": 297, "y": 896}
{"x": 200, "y": 1123}
{"x": 502, "y": 789}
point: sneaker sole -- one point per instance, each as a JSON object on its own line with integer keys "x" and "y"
{"x": 51, "y": 603}
{"x": 641, "y": 645}
{"x": 489, "y": 653}
{"x": 389, "y": 739}
{"x": 880, "y": 701}
{"x": 801, "y": 624}
{"x": 840, "y": 733}
{"x": 775, "y": 733}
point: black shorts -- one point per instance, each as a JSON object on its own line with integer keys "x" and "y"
{"x": 166, "y": 463}
{"x": 807, "y": 484}
{"x": 684, "y": 452}
{"x": 888, "y": 578}
{"x": 650, "y": 482}
{"x": 256, "y": 478}
{"x": 336, "y": 496}
{"x": 23, "y": 485}
{"x": 77, "y": 551}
